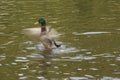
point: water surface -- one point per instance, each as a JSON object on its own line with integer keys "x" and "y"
{"x": 89, "y": 36}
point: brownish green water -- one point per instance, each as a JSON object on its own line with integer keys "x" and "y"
{"x": 90, "y": 38}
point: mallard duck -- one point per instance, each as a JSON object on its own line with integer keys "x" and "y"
{"x": 44, "y": 34}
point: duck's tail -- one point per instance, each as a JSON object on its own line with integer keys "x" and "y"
{"x": 57, "y": 45}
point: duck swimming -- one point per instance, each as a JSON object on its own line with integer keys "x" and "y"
{"x": 44, "y": 34}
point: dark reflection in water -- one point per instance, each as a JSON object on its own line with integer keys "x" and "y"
{"x": 89, "y": 35}
{"x": 45, "y": 64}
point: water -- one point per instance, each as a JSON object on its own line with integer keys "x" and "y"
{"x": 89, "y": 36}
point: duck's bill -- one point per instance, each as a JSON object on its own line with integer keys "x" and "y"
{"x": 36, "y": 23}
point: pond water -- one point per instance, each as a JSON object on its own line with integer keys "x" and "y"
{"x": 89, "y": 33}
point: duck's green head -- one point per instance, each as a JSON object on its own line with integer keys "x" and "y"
{"x": 41, "y": 21}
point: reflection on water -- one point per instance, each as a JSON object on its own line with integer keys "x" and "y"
{"x": 90, "y": 40}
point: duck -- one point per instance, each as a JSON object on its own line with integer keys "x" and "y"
{"x": 46, "y": 35}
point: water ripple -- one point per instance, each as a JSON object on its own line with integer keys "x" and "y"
{"x": 110, "y": 78}
{"x": 21, "y": 59}
{"x": 81, "y": 57}
{"x": 2, "y": 57}
{"x": 4, "y": 14}
{"x": 78, "y": 78}
{"x": 9, "y": 42}
{"x": 104, "y": 55}
{"x": 35, "y": 56}
{"x": 118, "y": 58}
{"x": 41, "y": 78}
{"x": 62, "y": 49}
{"x": 23, "y": 77}
{"x": 90, "y": 33}
{"x": 75, "y": 58}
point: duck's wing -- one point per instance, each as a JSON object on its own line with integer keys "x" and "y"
{"x": 52, "y": 32}
{"x": 34, "y": 33}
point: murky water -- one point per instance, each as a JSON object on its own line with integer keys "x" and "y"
{"x": 90, "y": 38}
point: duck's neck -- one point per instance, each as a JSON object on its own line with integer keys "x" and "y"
{"x": 43, "y": 28}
